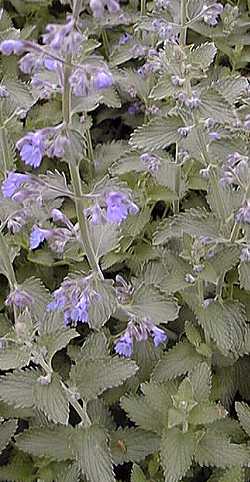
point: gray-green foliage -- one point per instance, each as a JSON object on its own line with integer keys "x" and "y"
{"x": 171, "y": 134}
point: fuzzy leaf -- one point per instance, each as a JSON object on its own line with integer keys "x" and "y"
{"x": 17, "y": 388}
{"x": 177, "y": 451}
{"x": 40, "y": 295}
{"x": 244, "y": 275}
{"x": 14, "y": 357}
{"x": 93, "y": 377}
{"x": 7, "y": 430}
{"x": 223, "y": 323}
{"x": 93, "y": 454}
{"x": 178, "y": 361}
{"x": 137, "y": 474}
{"x": 158, "y": 134}
{"x": 95, "y": 347}
{"x": 214, "y": 105}
{"x": 105, "y": 238}
{"x": 133, "y": 445}
{"x": 142, "y": 413}
{"x": 243, "y": 412}
{"x": 52, "y": 400}
{"x": 105, "y": 304}
{"x": 205, "y": 413}
{"x": 216, "y": 450}
{"x": 203, "y": 55}
{"x": 201, "y": 381}
{"x": 148, "y": 302}
{"x": 52, "y": 442}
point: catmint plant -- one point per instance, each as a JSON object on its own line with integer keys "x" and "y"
{"x": 124, "y": 241}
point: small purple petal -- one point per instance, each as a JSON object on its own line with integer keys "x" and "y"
{"x": 8, "y": 47}
{"x": 37, "y": 236}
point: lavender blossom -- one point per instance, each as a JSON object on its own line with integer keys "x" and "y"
{"x": 30, "y": 63}
{"x": 4, "y": 91}
{"x": 102, "y": 80}
{"x": 13, "y": 181}
{"x": 79, "y": 82}
{"x": 19, "y": 298}
{"x": 184, "y": 131}
{"x": 214, "y": 136}
{"x": 32, "y": 148}
{"x": 119, "y": 206}
{"x": 38, "y": 235}
{"x": 124, "y": 38}
{"x": 9, "y": 47}
{"x": 177, "y": 81}
{"x": 245, "y": 254}
{"x": 211, "y": 13}
{"x": 139, "y": 330}
{"x": 56, "y": 147}
{"x": 98, "y": 7}
{"x": 247, "y": 122}
{"x": 17, "y": 220}
{"x": 74, "y": 298}
{"x": 151, "y": 162}
{"x": 63, "y": 38}
{"x": 243, "y": 215}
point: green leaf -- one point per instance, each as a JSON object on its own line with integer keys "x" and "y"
{"x": 223, "y": 260}
{"x": 95, "y": 347}
{"x": 93, "y": 377}
{"x": 243, "y": 412}
{"x": 164, "y": 88}
{"x": 149, "y": 302}
{"x": 19, "y": 469}
{"x": 178, "y": 361}
{"x": 133, "y": 445}
{"x": 160, "y": 397}
{"x": 71, "y": 473}
{"x": 14, "y": 357}
{"x": 177, "y": 451}
{"x": 104, "y": 237}
{"x": 7, "y": 430}
{"x": 52, "y": 442}
{"x": 202, "y": 56}
{"x": 56, "y": 341}
{"x": 52, "y": 400}
{"x": 99, "y": 414}
{"x": 216, "y": 450}
{"x": 157, "y": 134}
{"x": 244, "y": 275}
{"x": 142, "y": 413}
{"x": 214, "y": 105}
{"x": 224, "y": 323}
{"x": 41, "y": 297}
{"x": 201, "y": 381}
{"x": 137, "y": 474}
{"x": 93, "y": 454}
{"x": 7, "y": 152}
{"x": 17, "y": 388}
{"x": 236, "y": 474}
{"x": 105, "y": 304}
{"x": 232, "y": 87}
{"x": 19, "y": 94}
{"x": 205, "y": 413}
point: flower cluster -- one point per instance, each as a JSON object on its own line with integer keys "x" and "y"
{"x": 235, "y": 170}
{"x": 64, "y": 39}
{"x": 139, "y": 330}
{"x": 211, "y": 13}
{"x": 86, "y": 79}
{"x": 56, "y": 237}
{"x": 151, "y": 162}
{"x": 117, "y": 207}
{"x": 73, "y": 298}
{"x": 243, "y": 214}
{"x": 19, "y": 298}
{"x": 98, "y": 7}
{"x": 35, "y": 145}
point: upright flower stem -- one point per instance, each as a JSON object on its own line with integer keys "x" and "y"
{"x": 76, "y": 181}
{"x": 183, "y": 33}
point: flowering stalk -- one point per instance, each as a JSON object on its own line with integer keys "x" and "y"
{"x": 76, "y": 181}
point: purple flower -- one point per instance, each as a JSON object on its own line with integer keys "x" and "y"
{"x": 19, "y": 298}
{"x": 96, "y": 214}
{"x": 79, "y": 82}
{"x": 211, "y": 13}
{"x": 139, "y": 330}
{"x": 119, "y": 207}
{"x": 73, "y": 298}
{"x": 8, "y": 47}
{"x": 124, "y": 346}
{"x": 30, "y": 63}
{"x": 32, "y": 148}
{"x": 134, "y": 108}
{"x": 247, "y": 122}
{"x": 245, "y": 254}
{"x": 112, "y": 6}
{"x": 97, "y": 7}
{"x": 158, "y": 335}
{"x": 50, "y": 64}
{"x": 184, "y": 131}
{"x": 13, "y": 181}
{"x": 63, "y": 38}
{"x": 17, "y": 220}
{"x": 243, "y": 215}
{"x": 3, "y": 91}
{"x": 177, "y": 81}
{"x": 37, "y": 236}
{"x": 124, "y": 38}
{"x": 151, "y": 162}
{"x": 102, "y": 80}
{"x": 57, "y": 146}
{"x": 214, "y": 136}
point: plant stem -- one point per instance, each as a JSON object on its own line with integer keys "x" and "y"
{"x": 7, "y": 262}
{"x": 183, "y": 33}
{"x": 76, "y": 181}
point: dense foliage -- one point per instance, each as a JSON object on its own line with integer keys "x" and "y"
{"x": 124, "y": 241}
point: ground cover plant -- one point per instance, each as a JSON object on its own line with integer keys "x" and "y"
{"x": 124, "y": 241}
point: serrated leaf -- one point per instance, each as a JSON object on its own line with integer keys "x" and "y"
{"x": 40, "y": 296}
{"x": 14, "y": 357}
{"x": 17, "y": 388}
{"x": 224, "y": 323}
{"x": 203, "y": 55}
{"x": 164, "y": 88}
{"x": 177, "y": 451}
{"x": 178, "y": 361}
{"x": 93, "y": 454}
{"x": 95, "y": 347}
{"x": 205, "y": 413}
{"x": 105, "y": 238}
{"x": 7, "y": 153}
{"x": 243, "y": 412}
{"x": 223, "y": 260}
{"x": 7, "y": 430}
{"x": 216, "y": 450}
{"x": 56, "y": 341}
{"x": 201, "y": 381}
{"x": 232, "y": 88}
{"x": 244, "y": 275}
{"x": 137, "y": 474}
{"x": 19, "y": 94}
{"x": 71, "y": 473}
{"x": 236, "y": 474}
{"x": 133, "y": 445}
{"x": 104, "y": 305}
{"x": 93, "y": 377}
{"x": 142, "y": 413}
{"x": 159, "y": 397}
{"x": 52, "y": 400}
{"x": 214, "y": 105}
{"x": 157, "y": 134}
{"x": 52, "y": 442}
{"x": 108, "y": 153}
{"x": 148, "y": 302}
{"x": 99, "y": 414}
